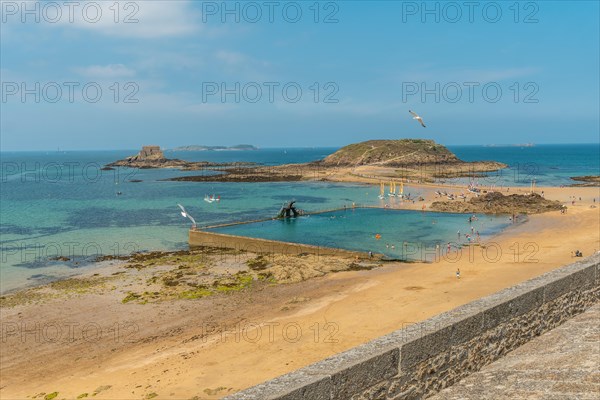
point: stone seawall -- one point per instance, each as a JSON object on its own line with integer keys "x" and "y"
{"x": 198, "y": 238}
{"x": 418, "y": 361}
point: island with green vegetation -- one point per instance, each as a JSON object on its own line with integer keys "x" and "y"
{"x": 412, "y": 159}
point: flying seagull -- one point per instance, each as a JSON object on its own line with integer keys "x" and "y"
{"x": 416, "y": 116}
{"x": 186, "y": 215}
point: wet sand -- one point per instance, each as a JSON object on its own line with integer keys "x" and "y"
{"x": 213, "y": 346}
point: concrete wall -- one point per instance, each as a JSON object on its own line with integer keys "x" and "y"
{"x": 220, "y": 240}
{"x": 424, "y": 358}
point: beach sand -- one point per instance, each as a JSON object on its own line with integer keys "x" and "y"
{"x": 214, "y": 346}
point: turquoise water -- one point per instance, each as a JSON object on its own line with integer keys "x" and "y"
{"x": 403, "y": 234}
{"x": 62, "y": 204}
{"x": 549, "y": 165}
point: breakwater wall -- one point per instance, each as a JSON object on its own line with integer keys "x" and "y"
{"x": 199, "y": 238}
{"x": 204, "y": 237}
{"x": 420, "y": 360}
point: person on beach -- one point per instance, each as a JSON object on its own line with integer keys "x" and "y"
{"x": 457, "y": 273}
{"x": 448, "y": 247}
{"x": 458, "y": 234}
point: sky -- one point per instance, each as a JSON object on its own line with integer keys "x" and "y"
{"x": 121, "y": 74}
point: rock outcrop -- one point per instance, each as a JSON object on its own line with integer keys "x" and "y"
{"x": 590, "y": 180}
{"x": 153, "y": 157}
{"x": 497, "y": 203}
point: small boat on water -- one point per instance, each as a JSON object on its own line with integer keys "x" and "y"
{"x": 392, "y": 192}
{"x": 401, "y": 194}
{"x": 381, "y": 191}
{"x": 212, "y": 198}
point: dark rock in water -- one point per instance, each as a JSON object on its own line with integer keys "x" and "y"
{"x": 60, "y": 258}
{"x": 135, "y": 180}
{"x": 589, "y": 180}
{"x": 107, "y": 169}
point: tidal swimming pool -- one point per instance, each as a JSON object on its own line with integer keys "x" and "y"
{"x": 395, "y": 233}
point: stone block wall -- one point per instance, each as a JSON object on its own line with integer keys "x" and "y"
{"x": 420, "y": 360}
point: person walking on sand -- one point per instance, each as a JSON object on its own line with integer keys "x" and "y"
{"x": 448, "y": 247}
{"x": 457, "y": 273}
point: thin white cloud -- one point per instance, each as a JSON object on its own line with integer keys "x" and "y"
{"x": 434, "y": 73}
{"x": 231, "y": 58}
{"x": 490, "y": 75}
{"x": 242, "y": 66}
{"x": 135, "y": 19}
{"x": 210, "y": 109}
{"x": 106, "y": 71}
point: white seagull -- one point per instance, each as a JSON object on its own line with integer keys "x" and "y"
{"x": 186, "y": 215}
{"x": 416, "y": 116}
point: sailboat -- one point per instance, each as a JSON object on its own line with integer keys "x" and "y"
{"x": 392, "y": 192}
{"x": 381, "y": 191}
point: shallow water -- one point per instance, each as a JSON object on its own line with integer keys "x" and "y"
{"x": 63, "y": 204}
{"x": 403, "y": 234}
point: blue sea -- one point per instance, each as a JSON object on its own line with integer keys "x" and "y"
{"x": 61, "y": 204}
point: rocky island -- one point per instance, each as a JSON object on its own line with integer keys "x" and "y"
{"x": 373, "y": 160}
{"x": 153, "y": 157}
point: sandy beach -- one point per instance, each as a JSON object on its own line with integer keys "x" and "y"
{"x": 86, "y": 341}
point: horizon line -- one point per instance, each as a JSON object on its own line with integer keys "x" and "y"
{"x": 529, "y": 144}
